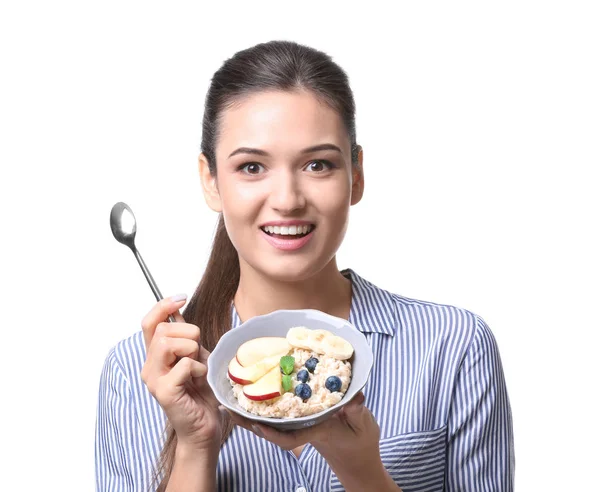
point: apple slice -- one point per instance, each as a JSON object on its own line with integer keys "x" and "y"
{"x": 257, "y": 349}
{"x": 267, "y": 387}
{"x": 250, "y": 374}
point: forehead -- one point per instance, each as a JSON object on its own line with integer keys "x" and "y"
{"x": 281, "y": 123}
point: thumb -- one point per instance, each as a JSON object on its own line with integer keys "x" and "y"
{"x": 355, "y": 406}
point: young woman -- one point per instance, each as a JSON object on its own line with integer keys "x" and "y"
{"x": 279, "y": 149}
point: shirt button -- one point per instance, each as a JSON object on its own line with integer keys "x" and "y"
{"x": 300, "y": 489}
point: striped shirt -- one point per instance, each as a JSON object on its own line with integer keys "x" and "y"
{"x": 436, "y": 389}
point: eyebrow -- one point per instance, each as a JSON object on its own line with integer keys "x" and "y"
{"x": 308, "y": 150}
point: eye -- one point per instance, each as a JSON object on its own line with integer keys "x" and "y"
{"x": 319, "y": 165}
{"x": 251, "y": 168}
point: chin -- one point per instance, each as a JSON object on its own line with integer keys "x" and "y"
{"x": 289, "y": 269}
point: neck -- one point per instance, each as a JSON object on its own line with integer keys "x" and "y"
{"x": 328, "y": 291}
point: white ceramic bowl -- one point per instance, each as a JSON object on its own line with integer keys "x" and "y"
{"x": 277, "y": 324}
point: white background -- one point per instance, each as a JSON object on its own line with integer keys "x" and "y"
{"x": 480, "y": 124}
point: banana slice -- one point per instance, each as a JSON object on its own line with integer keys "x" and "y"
{"x": 316, "y": 338}
{"x": 299, "y": 337}
{"x": 337, "y": 347}
{"x": 320, "y": 342}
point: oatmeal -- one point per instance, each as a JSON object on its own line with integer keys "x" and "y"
{"x": 291, "y": 406}
{"x": 300, "y": 375}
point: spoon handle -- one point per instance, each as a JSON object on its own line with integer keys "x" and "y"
{"x": 149, "y": 278}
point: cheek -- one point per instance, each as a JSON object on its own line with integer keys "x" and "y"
{"x": 334, "y": 202}
{"x": 242, "y": 199}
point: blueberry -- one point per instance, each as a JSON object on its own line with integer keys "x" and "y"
{"x": 311, "y": 364}
{"x": 303, "y": 391}
{"x": 302, "y": 375}
{"x": 333, "y": 383}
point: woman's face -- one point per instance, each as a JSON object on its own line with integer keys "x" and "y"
{"x": 271, "y": 177}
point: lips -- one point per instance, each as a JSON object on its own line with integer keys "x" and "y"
{"x": 288, "y": 242}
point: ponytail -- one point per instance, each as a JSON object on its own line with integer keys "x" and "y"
{"x": 210, "y": 310}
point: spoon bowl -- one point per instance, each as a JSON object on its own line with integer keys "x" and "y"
{"x": 123, "y": 224}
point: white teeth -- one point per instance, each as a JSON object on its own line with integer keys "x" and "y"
{"x": 288, "y": 230}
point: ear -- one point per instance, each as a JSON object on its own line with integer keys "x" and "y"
{"x": 358, "y": 179}
{"x": 209, "y": 185}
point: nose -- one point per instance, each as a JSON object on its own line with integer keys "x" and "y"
{"x": 286, "y": 195}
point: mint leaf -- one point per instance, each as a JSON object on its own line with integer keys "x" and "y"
{"x": 286, "y": 382}
{"x": 287, "y": 364}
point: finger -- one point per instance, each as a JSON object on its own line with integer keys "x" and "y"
{"x": 239, "y": 420}
{"x": 164, "y": 351}
{"x": 178, "y": 330}
{"x": 294, "y": 438}
{"x": 201, "y": 384}
{"x": 286, "y": 440}
{"x": 160, "y": 312}
{"x": 356, "y": 416}
{"x": 352, "y": 412}
{"x": 178, "y": 317}
{"x": 223, "y": 411}
{"x": 170, "y": 386}
{"x": 203, "y": 355}
{"x": 247, "y": 424}
{"x": 354, "y": 406}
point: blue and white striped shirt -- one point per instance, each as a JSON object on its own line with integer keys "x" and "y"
{"x": 437, "y": 391}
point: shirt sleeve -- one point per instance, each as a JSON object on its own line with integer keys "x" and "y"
{"x": 480, "y": 433}
{"x": 119, "y": 464}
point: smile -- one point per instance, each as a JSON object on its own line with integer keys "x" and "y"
{"x": 290, "y": 237}
{"x": 297, "y": 231}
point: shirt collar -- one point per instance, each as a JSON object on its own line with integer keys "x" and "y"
{"x": 372, "y": 310}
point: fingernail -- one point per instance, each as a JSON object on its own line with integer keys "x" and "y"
{"x": 179, "y": 298}
{"x": 257, "y": 431}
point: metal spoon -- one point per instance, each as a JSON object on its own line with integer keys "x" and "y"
{"x": 123, "y": 227}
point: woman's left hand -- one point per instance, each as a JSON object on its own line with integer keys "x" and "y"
{"x": 348, "y": 440}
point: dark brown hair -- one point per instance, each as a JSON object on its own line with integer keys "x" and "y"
{"x": 276, "y": 65}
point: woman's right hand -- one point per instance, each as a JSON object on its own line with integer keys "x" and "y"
{"x": 175, "y": 373}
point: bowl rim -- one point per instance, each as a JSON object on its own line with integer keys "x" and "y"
{"x": 307, "y": 418}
